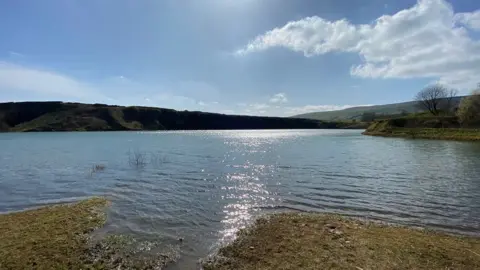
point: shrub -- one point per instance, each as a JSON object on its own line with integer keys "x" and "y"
{"x": 469, "y": 110}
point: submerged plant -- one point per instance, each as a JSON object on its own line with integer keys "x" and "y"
{"x": 97, "y": 168}
{"x": 137, "y": 159}
{"x": 157, "y": 160}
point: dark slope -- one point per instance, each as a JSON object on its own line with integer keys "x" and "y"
{"x": 59, "y": 116}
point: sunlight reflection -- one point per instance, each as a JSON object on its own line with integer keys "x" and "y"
{"x": 246, "y": 187}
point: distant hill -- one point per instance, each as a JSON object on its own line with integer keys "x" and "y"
{"x": 59, "y": 116}
{"x": 356, "y": 112}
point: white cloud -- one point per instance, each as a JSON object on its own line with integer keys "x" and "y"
{"x": 227, "y": 111}
{"x": 259, "y": 106}
{"x": 279, "y": 98}
{"x": 39, "y": 84}
{"x": 316, "y": 108}
{"x": 265, "y": 109}
{"x": 470, "y": 19}
{"x": 48, "y": 85}
{"x": 427, "y": 40}
{"x": 18, "y": 78}
{"x": 276, "y": 107}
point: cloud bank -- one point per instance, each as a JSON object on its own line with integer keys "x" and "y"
{"x": 41, "y": 84}
{"x": 428, "y": 40}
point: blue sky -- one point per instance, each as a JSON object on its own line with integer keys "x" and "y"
{"x": 270, "y": 57}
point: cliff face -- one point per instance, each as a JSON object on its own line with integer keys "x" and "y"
{"x": 59, "y": 116}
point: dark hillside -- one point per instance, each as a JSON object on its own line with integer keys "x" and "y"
{"x": 59, "y": 116}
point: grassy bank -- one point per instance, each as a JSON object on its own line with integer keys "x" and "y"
{"x": 58, "y": 237}
{"x": 53, "y": 237}
{"x": 423, "y": 128}
{"x": 314, "y": 241}
{"x": 430, "y": 133}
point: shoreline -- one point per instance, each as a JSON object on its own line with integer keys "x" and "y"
{"x": 291, "y": 240}
{"x": 326, "y": 241}
{"x": 449, "y": 134}
{"x": 60, "y": 236}
{"x": 52, "y": 236}
{"x": 175, "y": 130}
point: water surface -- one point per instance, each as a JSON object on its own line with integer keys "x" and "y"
{"x": 204, "y": 185}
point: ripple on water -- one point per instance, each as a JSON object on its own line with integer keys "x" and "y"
{"x": 203, "y": 186}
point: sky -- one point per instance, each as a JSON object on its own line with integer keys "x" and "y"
{"x": 255, "y": 57}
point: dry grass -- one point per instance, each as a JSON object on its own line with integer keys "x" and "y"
{"x": 53, "y": 237}
{"x": 313, "y": 241}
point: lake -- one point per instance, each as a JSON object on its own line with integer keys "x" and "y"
{"x": 203, "y": 186}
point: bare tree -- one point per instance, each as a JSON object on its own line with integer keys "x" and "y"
{"x": 435, "y": 98}
{"x": 448, "y": 104}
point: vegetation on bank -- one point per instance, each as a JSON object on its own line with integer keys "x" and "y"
{"x": 456, "y": 134}
{"x": 316, "y": 241}
{"x": 442, "y": 119}
{"x": 59, "y": 116}
{"x": 423, "y": 126}
{"x": 468, "y": 112}
{"x": 59, "y": 237}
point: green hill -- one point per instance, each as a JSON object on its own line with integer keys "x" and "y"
{"x": 356, "y": 112}
{"x": 59, "y": 116}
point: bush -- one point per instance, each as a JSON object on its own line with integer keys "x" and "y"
{"x": 398, "y": 122}
{"x": 469, "y": 110}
